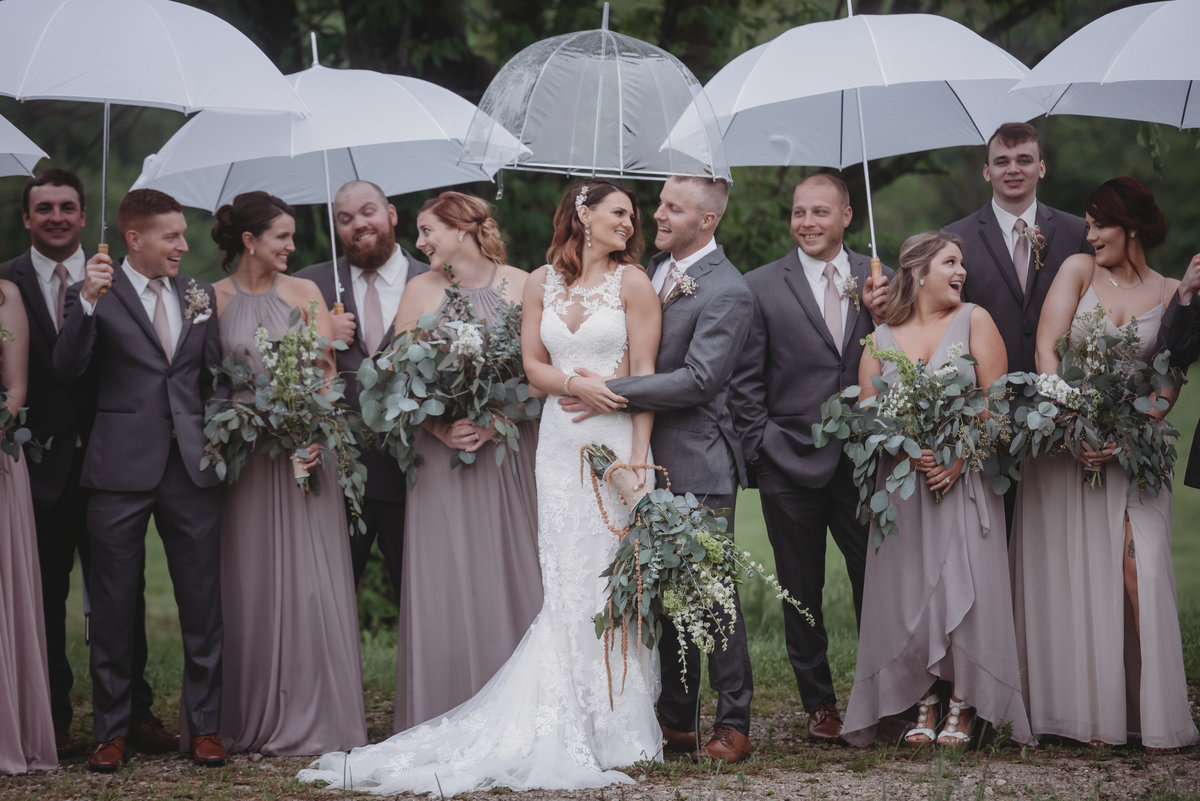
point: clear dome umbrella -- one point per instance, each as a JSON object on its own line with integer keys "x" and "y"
{"x": 595, "y": 103}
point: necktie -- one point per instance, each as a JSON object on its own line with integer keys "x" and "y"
{"x": 1021, "y": 254}
{"x": 833, "y": 306}
{"x": 161, "y": 327}
{"x": 64, "y": 279}
{"x": 668, "y": 281}
{"x": 372, "y": 315}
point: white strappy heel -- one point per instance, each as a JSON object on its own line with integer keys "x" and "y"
{"x": 950, "y": 734}
{"x": 927, "y": 713}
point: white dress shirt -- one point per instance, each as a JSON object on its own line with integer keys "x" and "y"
{"x": 141, "y": 285}
{"x": 814, "y": 271}
{"x": 660, "y": 277}
{"x": 393, "y": 275}
{"x": 1008, "y": 222}
{"x": 44, "y": 267}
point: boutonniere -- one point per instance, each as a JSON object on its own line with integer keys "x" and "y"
{"x": 198, "y": 305}
{"x": 684, "y": 283}
{"x": 849, "y": 289}
{"x": 1037, "y": 244}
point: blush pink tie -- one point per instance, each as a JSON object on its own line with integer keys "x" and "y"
{"x": 372, "y": 315}
{"x": 161, "y": 326}
{"x": 833, "y": 306}
{"x": 64, "y": 280}
{"x": 668, "y": 282}
{"x": 1021, "y": 254}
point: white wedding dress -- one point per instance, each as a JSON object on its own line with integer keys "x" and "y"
{"x": 544, "y": 720}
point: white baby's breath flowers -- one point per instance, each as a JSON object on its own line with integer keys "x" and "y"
{"x": 469, "y": 344}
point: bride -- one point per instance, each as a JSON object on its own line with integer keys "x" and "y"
{"x": 546, "y": 720}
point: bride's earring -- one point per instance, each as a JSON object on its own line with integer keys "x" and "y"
{"x": 921, "y": 282}
{"x": 251, "y": 251}
{"x": 460, "y": 236}
{"x": 587, "y": 232}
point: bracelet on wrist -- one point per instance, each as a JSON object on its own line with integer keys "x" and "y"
{"x": 566, "y": 391}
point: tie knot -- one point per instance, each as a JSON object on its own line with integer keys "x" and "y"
{"x": 60, "y": 272}
{"x": 369, "y": 276}
{"x": 1019, "y": 227}
{"x": 830, "y": 272}
{"x": 156, "y": 286}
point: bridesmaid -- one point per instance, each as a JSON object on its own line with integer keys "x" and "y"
{"x": 26, "y": 729}
{"x": 293, "y": 670}
{"x": 471, "y": 580}
{"x": 936, "y": 611}
{"x": 1093, "y": 585}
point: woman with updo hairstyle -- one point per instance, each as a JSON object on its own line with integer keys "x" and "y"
{"x": 936, "y": 627}
{"x": 1093, "y": 585}
{"x": 287, "y": 588}
{"x": 471, "y": 583}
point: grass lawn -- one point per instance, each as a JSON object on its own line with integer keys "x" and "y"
{"x": 780, "y": 741}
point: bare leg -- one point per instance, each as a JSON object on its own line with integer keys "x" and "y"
{"x": 1129, "y": 569}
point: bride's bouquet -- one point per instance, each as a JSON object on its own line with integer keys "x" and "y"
{"x": 675, "y": 559}
{"x": 294, "y": 406}
{"x": 459, "y": 369}
{"x": 942, "y": 411}
{"x": 1103, "y": 393}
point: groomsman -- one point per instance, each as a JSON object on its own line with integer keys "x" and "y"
{"x": 803, "y": 347}
{"x": 1180, "y": 334}
{"x": 705, "y": 318}
{"x": 151, "y": 351}
{"x": 60, "y": 412}
{"x": 373, "y": 274}
{"x": 1013, "y": 246}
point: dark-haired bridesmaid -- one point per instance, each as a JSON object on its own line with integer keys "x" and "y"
{"x": 293, "y": 668}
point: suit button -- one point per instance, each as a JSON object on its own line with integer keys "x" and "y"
{"x": 1028, "y": 332}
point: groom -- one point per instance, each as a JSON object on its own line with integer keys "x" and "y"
{"x": 705, "y": 319}
{"x": 150, "y": 343}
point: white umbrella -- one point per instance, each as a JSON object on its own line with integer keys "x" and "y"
{"x": 1137, "y": 63}
{"x": 18, "y": 154}
{"x": 595, "y": 103}
{"x": 134, "y": 52}
{"x": 902, "y": 83}
{"x": 401, "y": 133}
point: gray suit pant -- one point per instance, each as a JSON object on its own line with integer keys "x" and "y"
{"x": 187, "y": 518}
{"x": 729, "y": 671}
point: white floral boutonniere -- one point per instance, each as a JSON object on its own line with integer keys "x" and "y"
{"x": 198, "y": 308}
{"x": 1037, "y": 244}
{"x": 684, "y": 283}
{"x": 849, "y": 289}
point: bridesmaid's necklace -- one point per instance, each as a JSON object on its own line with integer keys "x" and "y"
{"x": 1115, "y": 283}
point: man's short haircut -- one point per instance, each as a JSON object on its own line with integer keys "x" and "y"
{"x": 1011, "y": 134}
{"x": 714, "y": 192}
{"x": 829, "y": 179}
{"x": 141, "y": 205}
{"x": 346, "y": 187}
{"x": 51, "y": 176}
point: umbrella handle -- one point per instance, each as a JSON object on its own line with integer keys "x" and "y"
{"x": 876, "y": 268}
{"x": 339, "y": 308}
{"x": 102, "y": 248}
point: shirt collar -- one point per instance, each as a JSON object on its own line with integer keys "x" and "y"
{"x": 1007, "y": 220}
{"x": 389, "y": 271}
{"x": 683, "y": 264}
{"x": 45, "y": 265}
{"x": 815, "y": 268}
{"x": 140, "y": 282}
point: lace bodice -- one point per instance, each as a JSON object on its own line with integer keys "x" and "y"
{"x": 600, "y": 341}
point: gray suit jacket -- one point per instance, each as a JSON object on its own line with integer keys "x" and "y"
{"x": 1180, "y": 333}
{"x": 702, "y": 339}
{"x": 142, "y": 400}
{"x": 59, "y": 409}
{"x": 789, "y": 367}
{"x": 385, "y": 480}
{"x": 992, "y": 282}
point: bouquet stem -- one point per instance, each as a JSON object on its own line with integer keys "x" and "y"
{"x": 1093, "y": 478}
{"x": 299, "y": 471}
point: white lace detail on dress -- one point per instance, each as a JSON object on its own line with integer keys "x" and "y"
{"x": 544, "y": 720}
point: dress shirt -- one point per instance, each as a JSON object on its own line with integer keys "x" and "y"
{"x": 393, "y": 275}
{"x": 141, "y": 285}
{"x": 1008, "y": 222}
{"x": 814, "y": 271}
{"x": 660, "y": 277}
{"x": 44, "y": 267}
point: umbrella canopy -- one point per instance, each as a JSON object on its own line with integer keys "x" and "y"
{"x": 401, "y": 133}
{"x": 1137, "y": 63}
{"x": 18, "y": 153}
{"x": 951, "y": 90}
{"x": 595, "y": 103}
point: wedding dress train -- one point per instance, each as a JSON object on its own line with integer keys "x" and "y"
{"x": 545, "y": 720}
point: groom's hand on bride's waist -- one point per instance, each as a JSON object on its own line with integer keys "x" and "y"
{"x": 590, "y": 396}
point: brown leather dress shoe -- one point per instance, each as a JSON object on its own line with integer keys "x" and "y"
{"x": 825, "y": 722}
{"x": 150, "y": 737}
{"x": 208, "y": 751}
{"x": 676, "y": 740}
{"x": 108, "y": 755}
{"x": 62, "y": 741}
{"x": 727, "y": 744}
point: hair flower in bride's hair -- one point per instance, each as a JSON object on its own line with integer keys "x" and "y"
{"x": 581, "y": 198}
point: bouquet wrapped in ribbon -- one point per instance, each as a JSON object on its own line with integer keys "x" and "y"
{"x": 674, "y": 560}
{"x": 459, "y": 369}
{"x": 942, "y": 411}
{"x": 1103, "y": 393}
{"x": 294, "y": 406}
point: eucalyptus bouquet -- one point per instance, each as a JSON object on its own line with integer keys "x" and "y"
{"x": 459, "y": 369}
{"x": 674, "y": 560}
{"x": 294, "y": 406}
{"x": 1103, "y": 393}
{"x": 942, "y": 411}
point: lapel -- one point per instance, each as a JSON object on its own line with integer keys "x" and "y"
{"x": 797, "y": 281}
{"x": 185, "y": 326}
{"x": 25, "y": 277}
{"x": 123, "y": 290}
{"x": 1045, "y": 226}
{"x": 994, "y": 241}
{"x": 695, "y": 272}
{"x": 860, "y": 268}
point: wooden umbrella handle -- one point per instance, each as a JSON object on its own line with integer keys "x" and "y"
{"x": 339, "y": 308}
{"x": 102, "y": 248}
{"x": 876, "y": 268}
